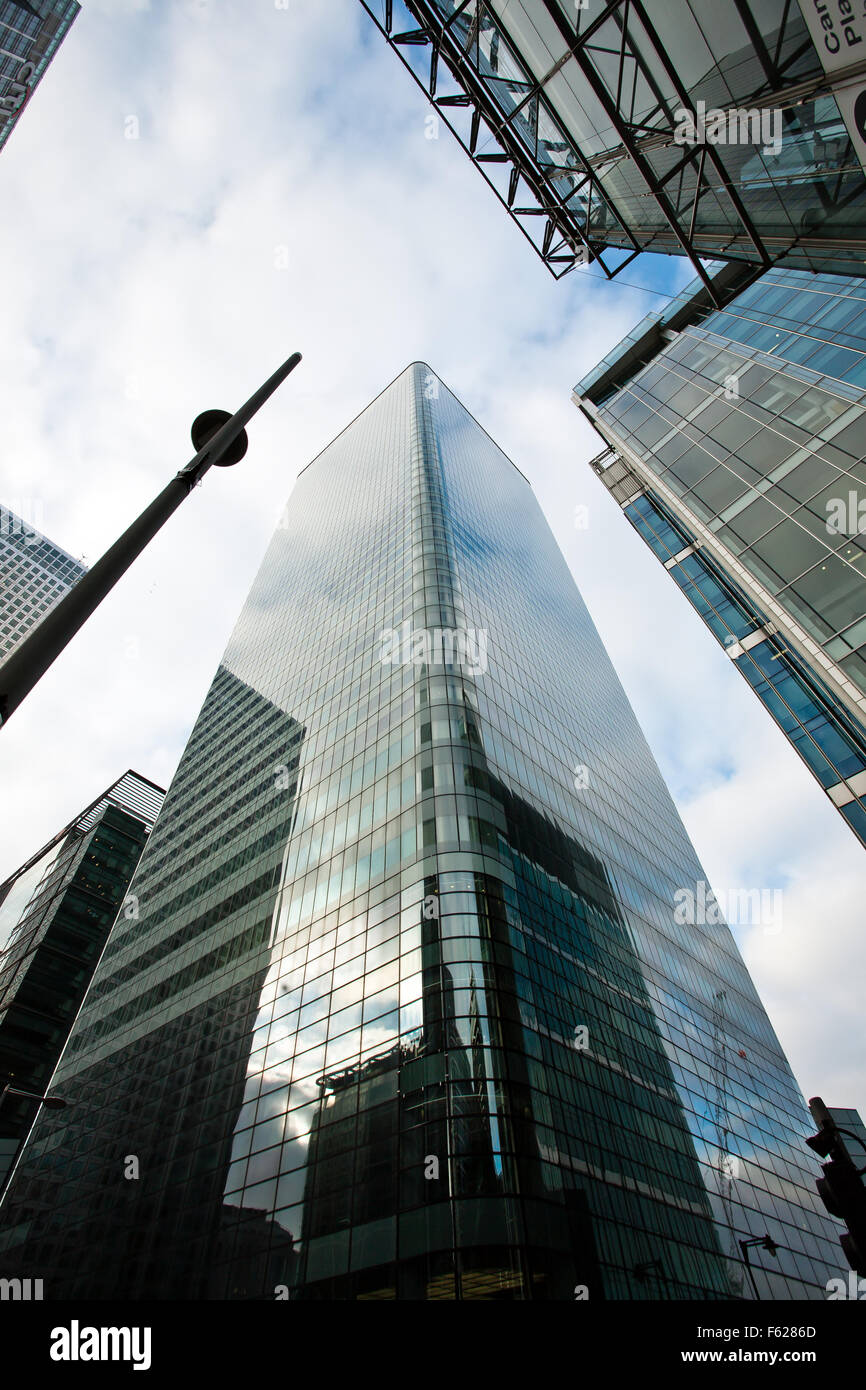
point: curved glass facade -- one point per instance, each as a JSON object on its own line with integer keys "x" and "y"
{"x": 409, "y": 1011}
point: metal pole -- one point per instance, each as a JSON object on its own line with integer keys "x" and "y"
{"x": 31, "y": 658}
{"x": 768, "y": 1243}
{"x": 744, "y": 1246}
{"x": 53, "y": 1102}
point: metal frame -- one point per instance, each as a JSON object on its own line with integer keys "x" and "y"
{"x": 566, "y": 239}
{"x": 564, "y": 243}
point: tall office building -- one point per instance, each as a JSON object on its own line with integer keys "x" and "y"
{"x": 736, "y": 447}
{"x": 56, "y": 912}
{"x": 31, "y": 31}
{"x": 732, "y": 129}
{"x": 413, "y": 1007}
{"x": 34, "y": 574}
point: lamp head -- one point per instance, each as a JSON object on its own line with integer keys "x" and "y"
{"x": 206, "y": 425}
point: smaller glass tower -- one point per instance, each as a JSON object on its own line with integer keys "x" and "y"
{"x": 734, "y": 443}
{"x": 56, "y": 913}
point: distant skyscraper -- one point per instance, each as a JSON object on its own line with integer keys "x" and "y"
{"x": 728, "y": 129}
{"x": 31, "y": 31}
{"x": 55, "y": 915}
{"x": 34, "y": 574}
{"x": 737, "y": 450}
{"x": 427, "y": 997}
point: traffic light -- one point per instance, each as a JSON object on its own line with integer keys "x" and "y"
{"x": 841, "y": 1189}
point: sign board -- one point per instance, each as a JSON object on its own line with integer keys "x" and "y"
{"x": 838, "y": 30}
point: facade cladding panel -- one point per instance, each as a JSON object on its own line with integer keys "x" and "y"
{"x": 34, "y": 574}
{"x": 409, "y": 1010}
{"x": 743, "y": 434}
{"x": 31, "y": 31}
{"x": 663, "y": 125}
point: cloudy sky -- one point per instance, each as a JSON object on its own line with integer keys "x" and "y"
{"x": 283, "y": 193}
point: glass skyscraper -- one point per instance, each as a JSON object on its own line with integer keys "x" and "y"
{"x": 736, "y": 447}
{"x": 31, "y": 31}
{"x": 731, "y": 129}
{"x": 34, "y": 574}
{"x": 409, "y": 1009}
{"x": 55, "y": 915}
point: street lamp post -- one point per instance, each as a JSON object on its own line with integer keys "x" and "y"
{"x": 745, "y": 1245}
{"x": 220, "y": 439}
{"x": 50, "y": 1103}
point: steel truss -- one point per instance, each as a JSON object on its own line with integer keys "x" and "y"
{"x": 562, "y": 195}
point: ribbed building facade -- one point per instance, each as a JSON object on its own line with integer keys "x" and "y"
{"x": 34, "y": 574}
